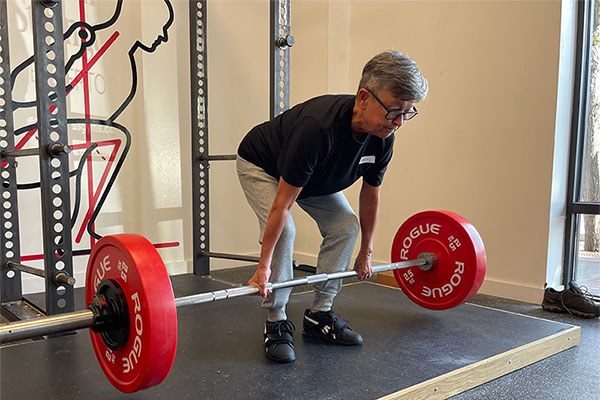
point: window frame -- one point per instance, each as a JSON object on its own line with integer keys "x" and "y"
{"x": 579, "y": 126}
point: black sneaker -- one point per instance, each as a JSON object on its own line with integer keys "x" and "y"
{"x": 279, "y": 341}
{"x": 576, "y": 300}
{"x": 328, "y": 326}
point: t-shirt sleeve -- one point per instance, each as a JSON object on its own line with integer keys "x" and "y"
{"x": 304, "y": 149}
{"x": 374, "y": 175}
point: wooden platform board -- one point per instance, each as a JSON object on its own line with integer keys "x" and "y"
{"x": 408, "y": 352}
{"x": 476, "y": 374}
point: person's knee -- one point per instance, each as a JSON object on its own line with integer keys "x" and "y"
{"x": 348, "y": 225}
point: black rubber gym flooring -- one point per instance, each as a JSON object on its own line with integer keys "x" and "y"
{"x": 220, "y": 354}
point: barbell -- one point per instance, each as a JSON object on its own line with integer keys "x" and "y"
{"x": 438, "y": 260}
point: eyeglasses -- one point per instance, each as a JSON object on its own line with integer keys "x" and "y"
{"x": 392, "y": 113}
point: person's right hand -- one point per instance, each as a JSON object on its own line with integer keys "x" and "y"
{"x": 260, "y": 279}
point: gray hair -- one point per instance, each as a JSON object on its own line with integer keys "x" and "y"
{"x": 396, "y": 72}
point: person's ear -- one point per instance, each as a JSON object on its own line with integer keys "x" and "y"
{"x": 362, "y": 97}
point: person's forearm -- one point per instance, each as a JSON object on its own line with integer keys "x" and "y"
{"x": 275, "y": 224}
{"x": 369, "y": 204}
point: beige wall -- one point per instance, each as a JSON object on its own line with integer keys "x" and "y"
{"x": 482, "y": 145}
{"x": 238, "y": 87}
{"x": 487, "y": 128}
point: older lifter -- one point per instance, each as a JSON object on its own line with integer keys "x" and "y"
{"x": 308, "y": 155}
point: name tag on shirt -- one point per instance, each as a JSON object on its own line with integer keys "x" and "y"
{"x": 367, "y": 160}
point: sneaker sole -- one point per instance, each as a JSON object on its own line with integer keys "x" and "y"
{"x": 559, "y": 309}
{"x": 282, "y": 360}
{"x": 322, "y": 338}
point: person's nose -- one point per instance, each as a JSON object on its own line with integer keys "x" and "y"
{"x": 398, "y": 122}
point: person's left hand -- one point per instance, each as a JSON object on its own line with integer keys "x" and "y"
{"x": 362, "y": 265}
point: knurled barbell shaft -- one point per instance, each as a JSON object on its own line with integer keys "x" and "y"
{"x": 308, "y": 280}
{"x": 85, "y": 318}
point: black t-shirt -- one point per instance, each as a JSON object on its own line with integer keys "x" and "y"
{"x": 312, "y": 146}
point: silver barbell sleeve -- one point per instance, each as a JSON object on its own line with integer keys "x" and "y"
{"x": 46, "y": 325}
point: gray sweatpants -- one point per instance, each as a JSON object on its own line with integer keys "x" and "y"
{"x": 337, "y": 223}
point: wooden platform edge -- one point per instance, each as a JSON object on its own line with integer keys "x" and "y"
{"x": 476, "y": 374}
{"x": 387, "y": 279}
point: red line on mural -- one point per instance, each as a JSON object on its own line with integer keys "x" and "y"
{"x": 88, "y": 127}
{"x": 73, "y": 83}
{"x": 88, "y": 215}
{"x": 85, "y": 252}
{"x": 101, "y": 143}
{"x": 94, "y": 59}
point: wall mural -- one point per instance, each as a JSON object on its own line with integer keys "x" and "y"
{"x": 96, "y": 130}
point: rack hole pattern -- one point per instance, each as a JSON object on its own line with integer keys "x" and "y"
{"x": 200, "y": 137}
{"x": 54, "y": 168}
{"x": 10, "y": 282}
{"x": 282, "y": 82}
